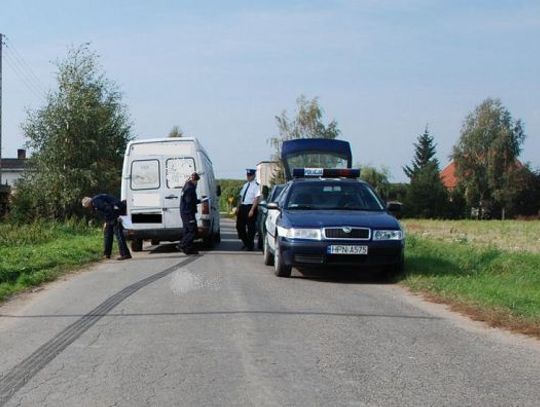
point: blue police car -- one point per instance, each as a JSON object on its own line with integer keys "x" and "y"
{"x": 330, "y": 218}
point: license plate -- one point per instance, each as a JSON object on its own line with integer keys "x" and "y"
{"x": 346, "y": 249}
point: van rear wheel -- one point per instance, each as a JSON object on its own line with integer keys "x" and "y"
{"x": 208, "y": 241}
{"x": 136, "y": 245}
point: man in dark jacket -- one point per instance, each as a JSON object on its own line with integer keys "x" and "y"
{"x": 188, "y": 209}
{"x": 109, "y": 208}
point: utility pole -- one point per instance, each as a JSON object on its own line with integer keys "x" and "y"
{"x": 1, "y": 43}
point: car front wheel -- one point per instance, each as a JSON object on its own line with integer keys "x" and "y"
{"x": 281, "y": 269}
{"x": 268, "y": 256}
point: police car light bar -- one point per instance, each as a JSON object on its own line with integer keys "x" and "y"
{"x": 326, "y": 172}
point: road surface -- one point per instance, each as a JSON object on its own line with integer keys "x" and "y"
{"x": 219, "y": 329}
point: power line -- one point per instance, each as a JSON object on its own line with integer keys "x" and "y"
{"x": 24, "y": 71}
{"x": 23, "y": 78}
{"x": 28, "y": 69}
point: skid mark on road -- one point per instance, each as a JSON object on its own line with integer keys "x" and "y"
{"x": 19, "y": 375}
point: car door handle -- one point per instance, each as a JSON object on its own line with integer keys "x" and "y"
{"x": 171, "y": 197}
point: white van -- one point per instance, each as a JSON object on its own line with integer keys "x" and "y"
{"x": 153, "y": 175}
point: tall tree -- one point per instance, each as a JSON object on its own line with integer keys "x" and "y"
{"x": 424, "y": 154}
{"x": 486, "y": 157}
{"x": 426, "y": 195}
{"x": 176, "y": 132}
{"x": 308, "y": 123}
{"x": 78, "y": 139}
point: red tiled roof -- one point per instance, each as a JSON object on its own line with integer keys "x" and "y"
{"x": 448, "y": 175}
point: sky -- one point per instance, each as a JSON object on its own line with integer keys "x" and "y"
{"x": 222, "y": 70}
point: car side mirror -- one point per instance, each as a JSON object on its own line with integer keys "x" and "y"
{"x": 272, "y": 205}
{"x": 394, "y": 208}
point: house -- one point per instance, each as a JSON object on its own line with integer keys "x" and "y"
{"x": 265, "y": 172}
{"x": 11, "y": 169}
{"x": 448, "y": 176}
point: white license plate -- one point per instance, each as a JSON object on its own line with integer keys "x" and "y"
{"x": 346, "y": 249}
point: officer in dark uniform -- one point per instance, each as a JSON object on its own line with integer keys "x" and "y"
{"x": 110, "y": 209}
{"x": 188, "y": 209}
{"x": 246, "y": 212}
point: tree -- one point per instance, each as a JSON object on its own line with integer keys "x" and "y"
{"x": 527, "y": 200}
{"x": 307, "y": 123}
{"x": 78, "y": 140}
{"x": 378, "y": 179}
{"x": 176, "y": 132}
{"x": 426, "y": 195}
{"x": 424, "y": 154}
{"x": 486, "y": 157}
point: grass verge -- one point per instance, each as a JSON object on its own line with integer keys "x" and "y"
{"x": 39, "y": 252}
{"x": 497, "y": 286}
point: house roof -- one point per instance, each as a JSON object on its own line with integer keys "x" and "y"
{"x": 13, "y": 164}
{"x": 448, "y": 175}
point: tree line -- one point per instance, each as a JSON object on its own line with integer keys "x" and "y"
{"x": 79, "y": 137}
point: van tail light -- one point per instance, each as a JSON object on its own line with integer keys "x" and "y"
{"x": 205, "y": 210}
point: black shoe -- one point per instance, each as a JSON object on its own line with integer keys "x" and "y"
{"x": 126, "y": 257}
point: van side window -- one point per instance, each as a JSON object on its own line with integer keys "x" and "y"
{"x": 145, "y": 174}
{"x": 178, "y": 170}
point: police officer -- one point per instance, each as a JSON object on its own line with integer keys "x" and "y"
{"x": 109, "y": 208}
{"x": 188, "y": 209}
{"x": 246, "y": 213}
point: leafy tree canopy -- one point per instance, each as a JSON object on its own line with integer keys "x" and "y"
{"x": 176, "y": 132}
{"x": 78, "y": 140}
{"x": 486, "y": 156}
{"x": 378, "y": 179}
{"x": 307, "y": 123}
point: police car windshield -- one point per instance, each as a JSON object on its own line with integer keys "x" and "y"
{"x": 333, "y": 195}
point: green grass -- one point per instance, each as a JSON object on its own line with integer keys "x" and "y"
{"x": 489, "y": 278}
{"x": 38, "y": 252}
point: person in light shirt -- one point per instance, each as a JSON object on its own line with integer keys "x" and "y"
{"x": 246, "y": 212}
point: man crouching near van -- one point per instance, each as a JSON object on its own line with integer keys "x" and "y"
{"x": 109, "y": 208}
{"x": 188, "y": 209}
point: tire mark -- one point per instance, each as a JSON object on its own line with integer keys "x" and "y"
{"x": 20, "y": 374}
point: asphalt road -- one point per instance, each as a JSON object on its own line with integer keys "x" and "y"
{"x": 219, "y": 329}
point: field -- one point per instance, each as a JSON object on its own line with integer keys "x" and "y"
{"x": 489, "y": 270}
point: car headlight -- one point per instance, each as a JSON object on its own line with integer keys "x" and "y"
{"x": 387, "y": 235}
{"x": 299, "y": 233}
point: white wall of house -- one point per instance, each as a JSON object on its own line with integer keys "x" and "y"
{"x": 265, "y": 172}
{"x": 9, "y": 176}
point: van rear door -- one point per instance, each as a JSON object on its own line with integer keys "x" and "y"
{"x": 177, "y": 170}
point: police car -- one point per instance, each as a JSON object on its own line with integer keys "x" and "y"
{"x": 327, "y": 217}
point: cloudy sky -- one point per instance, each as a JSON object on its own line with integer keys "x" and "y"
{"x": 222, "y": 70}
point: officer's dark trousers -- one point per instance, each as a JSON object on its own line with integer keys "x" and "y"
{"x": 114, "y": 228}
{"x": 246, "y": 226}
{"x": 189, "y": 231}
